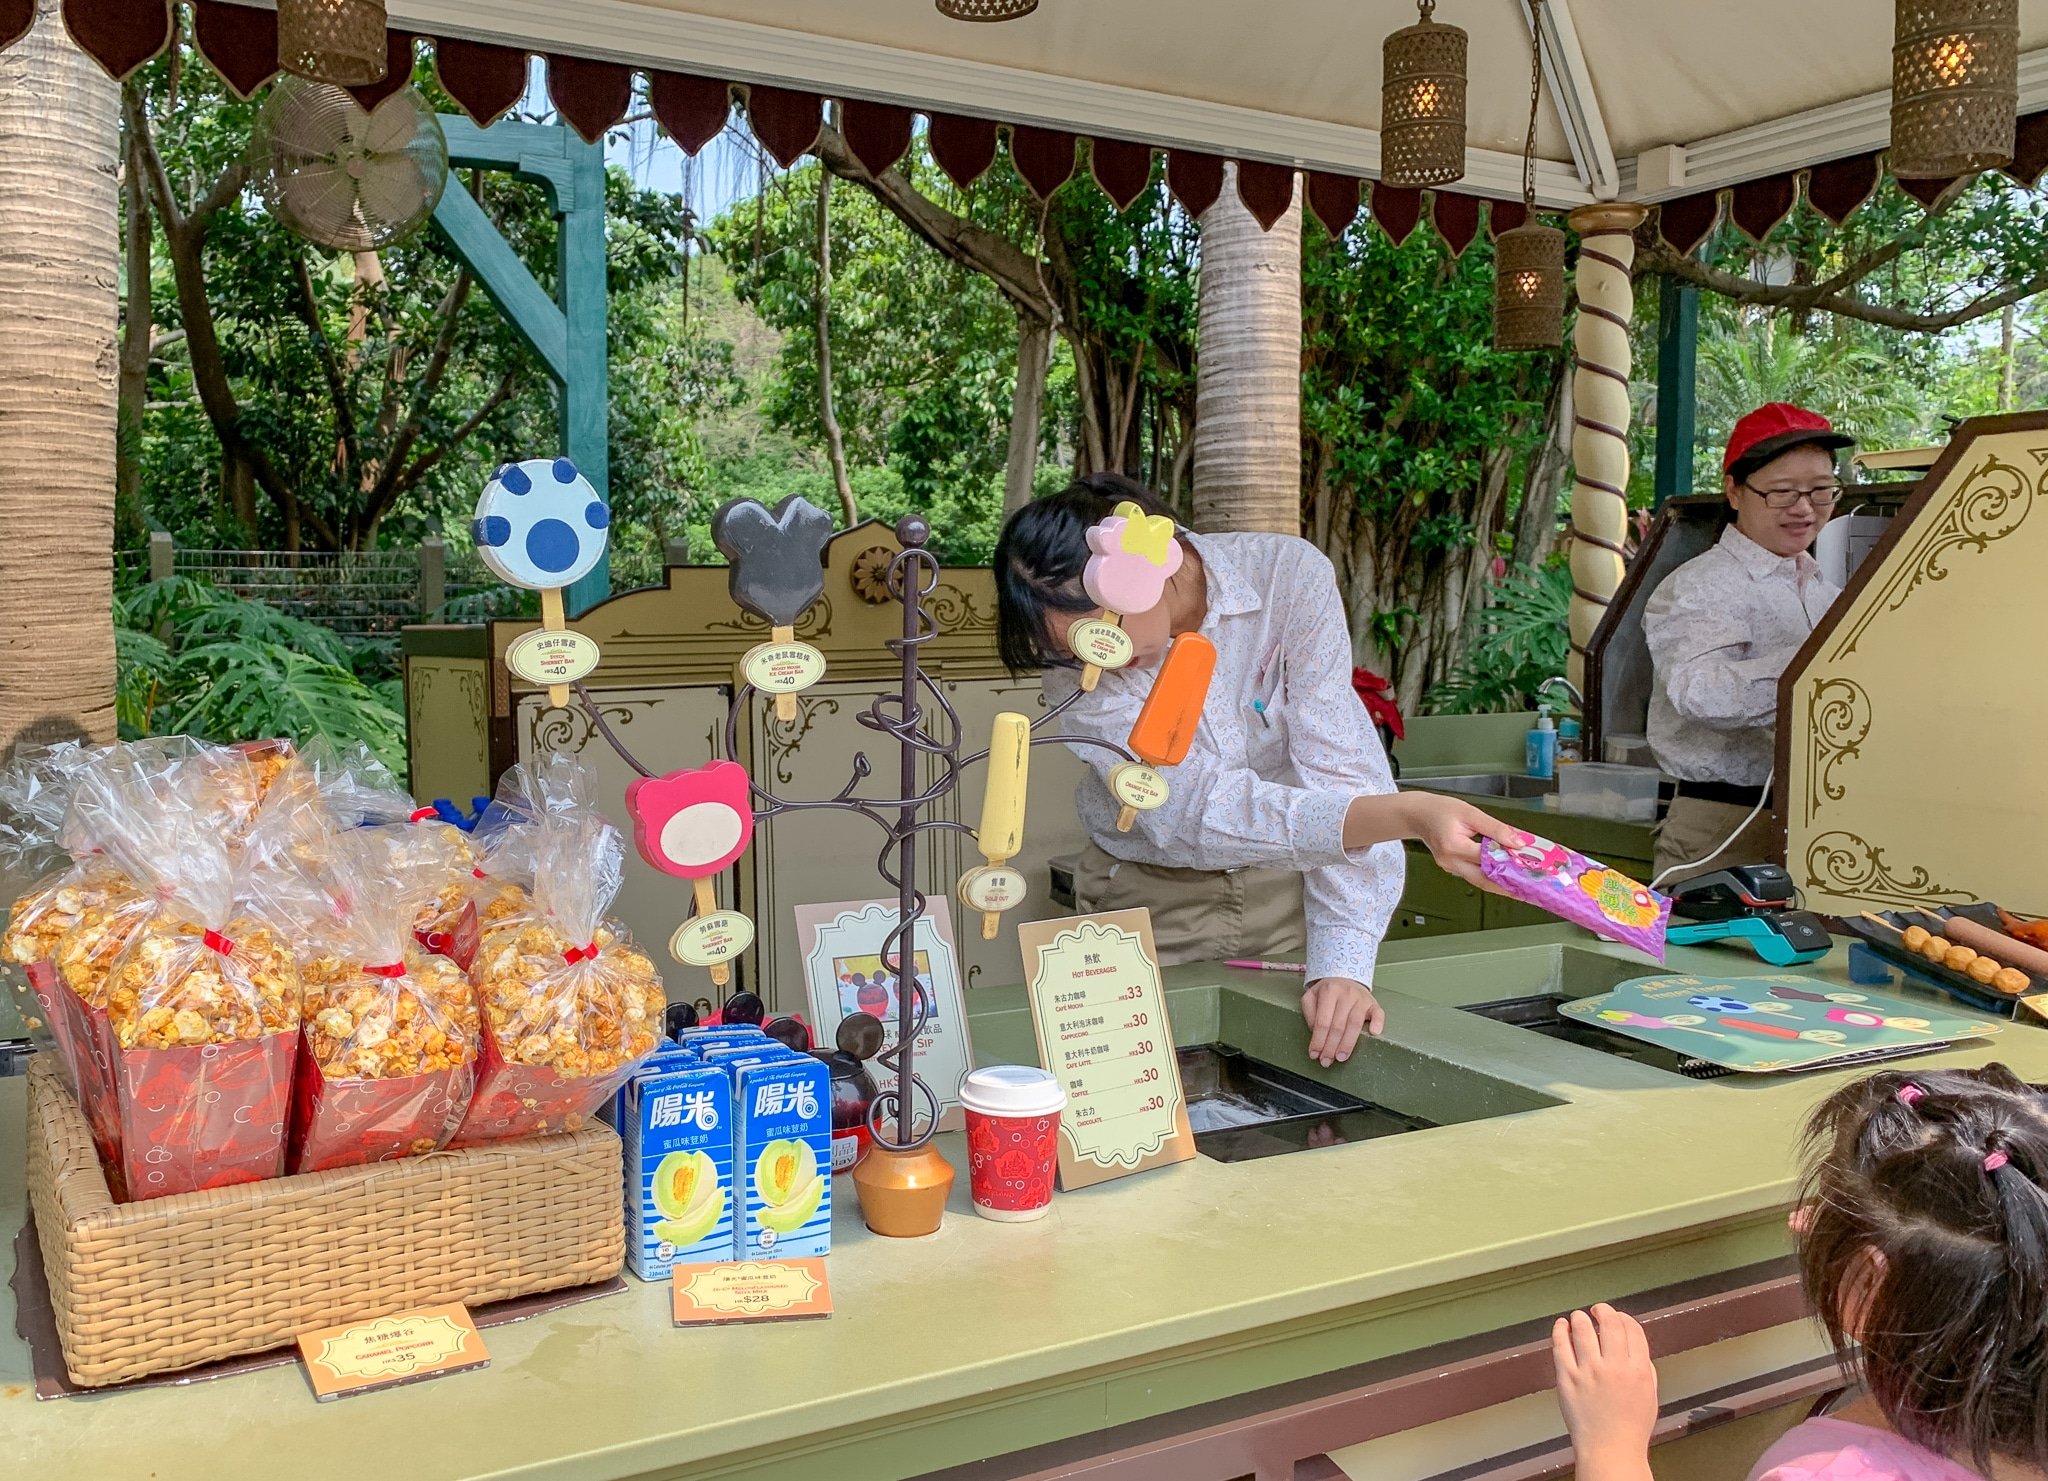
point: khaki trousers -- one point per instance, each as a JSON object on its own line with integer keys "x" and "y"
{"x": 1694, "y": 828}
{"x": 1199, "y": 915}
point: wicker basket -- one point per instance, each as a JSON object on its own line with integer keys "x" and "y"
{"x": 148, "y": 1287}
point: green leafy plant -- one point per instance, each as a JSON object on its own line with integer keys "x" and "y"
{"x": 199, "y": 661}
{"x": 1513, "y": 644}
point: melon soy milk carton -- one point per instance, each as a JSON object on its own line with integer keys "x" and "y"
{"x": 675, "y": 1117}
{"x": 782, "y": 1113}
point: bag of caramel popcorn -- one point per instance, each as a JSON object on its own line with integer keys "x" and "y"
{"x": 389, "y": 1045}
{"x": 570, "y": 1004}
{"x": 198, "y": 1008}
{"x": 47, "y": 890}
{"x": 498, "y": 883}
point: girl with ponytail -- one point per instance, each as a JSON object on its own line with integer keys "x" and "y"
{"x": 1923, "y": 1247}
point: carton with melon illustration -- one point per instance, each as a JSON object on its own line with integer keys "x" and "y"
{"x": 676, "y": 1120}
{"x": 783, "y": 1156}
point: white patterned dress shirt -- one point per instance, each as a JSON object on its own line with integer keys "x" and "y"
{"x": 1252, "y": 794}
{"x": 1721, "y": 629}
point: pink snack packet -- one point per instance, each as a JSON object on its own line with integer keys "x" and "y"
{"x": 1581, "y": 890}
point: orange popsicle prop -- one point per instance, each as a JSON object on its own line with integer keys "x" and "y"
{"x": 1166, "y": 725}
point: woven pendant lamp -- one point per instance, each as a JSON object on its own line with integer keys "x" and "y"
{"x": 1955, "y": 87}
{"x": 1528, "y": 262}
{"x": 335, "y": 41}
{"x": 987, "y": 10}
{"x": 1422, "y": 103}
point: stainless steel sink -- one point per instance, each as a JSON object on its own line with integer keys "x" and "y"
{"x": 1485, "y": 784}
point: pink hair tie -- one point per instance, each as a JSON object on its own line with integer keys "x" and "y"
{"x": 1995, "y": 1161}
{"x": 1911, "y": 1095}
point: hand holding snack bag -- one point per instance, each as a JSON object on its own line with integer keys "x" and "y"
{"x": 570, "y": 1004}
{"x": 1581, "y": 890}
{"x": 202, "y": 999}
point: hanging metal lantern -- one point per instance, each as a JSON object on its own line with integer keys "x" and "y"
{"x": 987, "y": 10}
{"x": 1422, "y": 104}
{"x": 335, "y": 41}
{"x": 1955, "y": 87}
{"x": 1528, "y": 288}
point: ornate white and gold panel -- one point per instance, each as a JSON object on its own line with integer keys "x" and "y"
{"x": 1911, "y": 725}
{"x": 667, "y": 728}
{"x": 448, "y": 728}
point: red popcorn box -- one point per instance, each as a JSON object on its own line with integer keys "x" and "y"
{"x": 459, "y": 944}
{"x": 519, "y": 1100}
{"x": 205, "y": 1116}
{"x": 340, "y": 1122}
{"x": 88, "y": 1041}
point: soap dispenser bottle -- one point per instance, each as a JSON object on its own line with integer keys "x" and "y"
{"x": 1540, "y": 752}
{"x": 1571, "y": 741}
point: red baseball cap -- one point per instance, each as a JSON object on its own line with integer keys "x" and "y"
{"x": 1778, "y": 428}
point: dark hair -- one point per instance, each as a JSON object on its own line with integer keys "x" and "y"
{"x": 1927, "y": 1232}
{"x": 1039, "y": 559}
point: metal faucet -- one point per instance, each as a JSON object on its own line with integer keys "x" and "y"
{"x": 1578, "y": 699}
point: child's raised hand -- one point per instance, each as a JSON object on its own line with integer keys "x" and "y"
{"x": 1607, "y": 1388}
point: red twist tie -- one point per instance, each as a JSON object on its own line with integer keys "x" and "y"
{"x": 421, "y": 814}
{"x": 479, "y": 874}
{"x": 395, "y": 969}
{"x": 577, "y": 954}
{"x": 217, "y": 942}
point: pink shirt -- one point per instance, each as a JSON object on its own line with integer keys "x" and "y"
{"x": 1835, "y": 1450}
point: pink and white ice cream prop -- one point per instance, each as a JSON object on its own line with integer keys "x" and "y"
{"x": 1134, "y": 554}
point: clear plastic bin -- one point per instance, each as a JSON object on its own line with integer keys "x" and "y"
{"x": 1599, "y": 789}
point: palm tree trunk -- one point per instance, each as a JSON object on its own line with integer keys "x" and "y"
{"x": 60, "y": 245}
{"x": 138, "y": 334}
{"x": 1248, "y": 387}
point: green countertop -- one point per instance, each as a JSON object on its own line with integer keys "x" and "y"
{"x": 1135, "y": 1298}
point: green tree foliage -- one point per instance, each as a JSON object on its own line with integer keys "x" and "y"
{"x": 1415, "y": 430}
{"x": 1512, "y": 645}
{"x": 194, "y": 660}
{"x": 373, "y": 395}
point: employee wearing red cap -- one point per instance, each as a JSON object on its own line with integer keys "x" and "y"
{"x": 1722, "y": 628}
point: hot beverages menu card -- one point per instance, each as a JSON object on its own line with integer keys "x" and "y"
{"x": 1100, "y": 1013}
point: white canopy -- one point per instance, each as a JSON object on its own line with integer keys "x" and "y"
{"x": 1743, "y": 88}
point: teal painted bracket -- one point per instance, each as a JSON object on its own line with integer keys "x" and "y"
{"x": 568, "y": 335}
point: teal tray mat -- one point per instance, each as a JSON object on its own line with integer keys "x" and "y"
{"x": 1756, "y": 1025}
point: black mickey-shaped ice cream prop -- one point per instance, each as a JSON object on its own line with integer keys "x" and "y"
{"x": 777, "y": 560}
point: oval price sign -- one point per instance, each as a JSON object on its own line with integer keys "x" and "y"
{"x": 783, "y": 668}
{"x": 707, "y": 940}
{"x": 552, "y": 658}
{"x": 1101, "y": 643}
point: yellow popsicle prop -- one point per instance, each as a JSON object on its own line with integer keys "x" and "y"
{"x": 554, "y": 618}
{"x": 1001, "y": 835}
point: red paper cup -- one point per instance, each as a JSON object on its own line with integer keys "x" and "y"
{"x": 1013, "y": 1140}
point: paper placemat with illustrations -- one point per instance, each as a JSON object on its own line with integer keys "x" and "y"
{"x": 1779, "y": 1022}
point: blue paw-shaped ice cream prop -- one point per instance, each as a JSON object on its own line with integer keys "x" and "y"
{"x": 540, "y": 524}
{"x": 1715, "y": 1003}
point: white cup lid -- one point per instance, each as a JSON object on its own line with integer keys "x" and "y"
{"x": 1012, "y": 1090}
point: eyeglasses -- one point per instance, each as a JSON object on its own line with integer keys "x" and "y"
{"x": 1824, "y": 497}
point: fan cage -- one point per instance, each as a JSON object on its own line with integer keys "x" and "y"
{"x": 1528, "y": 288}
{"x": 987, "y": 10}
{"x": 1422, "y": 105}
{"x": 335, "y": 41}
{"x": 1955, "y": 87}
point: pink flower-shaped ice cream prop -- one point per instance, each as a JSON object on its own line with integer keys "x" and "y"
{"x": 1134, "y": 554}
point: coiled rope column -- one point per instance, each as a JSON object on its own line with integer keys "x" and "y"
{"x": 1600, "y": 360}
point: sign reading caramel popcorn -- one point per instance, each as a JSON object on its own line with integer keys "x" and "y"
{"x": 431, "y": 1342}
